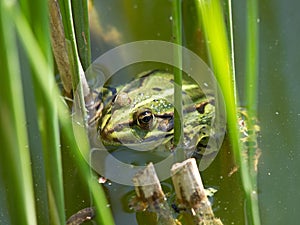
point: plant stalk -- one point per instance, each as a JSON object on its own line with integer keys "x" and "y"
{"x": 177, "y": 35}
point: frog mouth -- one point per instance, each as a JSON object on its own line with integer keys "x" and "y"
{"x": 141, "y": 142}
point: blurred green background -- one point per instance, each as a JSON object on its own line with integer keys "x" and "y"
{"x": 279, "y": 109}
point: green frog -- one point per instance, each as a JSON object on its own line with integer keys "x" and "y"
{"x": 140, "y": 115}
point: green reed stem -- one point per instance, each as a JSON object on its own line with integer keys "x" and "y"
{"x": 103, "y": 213}
{"x": 43, "y": 134}
{"x": 231, "y": 40}
{"x": 177, "y": 35}
{"x": 221, "y": 60}
{"x": 46, "y": 157}
{"x": 54, "y": 100}
{"x": 82, "y": 31}
{"x": 67, "y": 18}
{"x": 16, "y": 183}
{"x": 48, "y": 121}
{"x": 69, "y": 27}
{"x": 251, "y": 99}
{"x": 252, "y": 57}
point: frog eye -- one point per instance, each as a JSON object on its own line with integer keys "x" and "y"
{"x": 145, "y": 118}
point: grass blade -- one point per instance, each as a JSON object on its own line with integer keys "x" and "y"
{"x": 251, "y": 102}
{"x": 211, "y": 18}
{"x": 52, "y": 99}
{"x": 15, "y": 163}
{"x": 81, "y": 23}
{"x": 177, "y": 33}
{"x": 46, "y": 160}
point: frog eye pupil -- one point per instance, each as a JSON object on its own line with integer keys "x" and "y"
{"x": 145, "y": 119}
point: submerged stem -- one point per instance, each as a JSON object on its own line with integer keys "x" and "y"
{"x": 177, "y": 29}
{"x": 251, "y": 101}
{"x": 212, "y": 20}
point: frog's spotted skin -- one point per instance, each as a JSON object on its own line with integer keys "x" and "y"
{"x": 140, "y": 114}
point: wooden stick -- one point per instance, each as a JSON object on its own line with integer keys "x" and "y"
{"x": 190, "y": 192}
{"x": 150, "y": 193}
